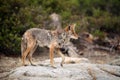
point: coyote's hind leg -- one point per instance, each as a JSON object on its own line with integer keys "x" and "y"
{"x": 31, "y": 53}
{"x": 24, "y": 55}
{"x": 30, "y": 42}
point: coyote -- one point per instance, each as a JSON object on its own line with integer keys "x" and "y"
{"x": 54, "y": 40}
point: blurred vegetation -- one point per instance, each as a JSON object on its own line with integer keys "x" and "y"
{"x": 16, "y": 16}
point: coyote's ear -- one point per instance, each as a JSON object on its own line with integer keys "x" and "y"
{"x": 73, "y": 26}
{"x": 69, "y": 27}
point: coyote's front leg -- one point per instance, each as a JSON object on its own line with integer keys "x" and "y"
{"x": 63, "y": 57}
{"x": 51, "y": 52}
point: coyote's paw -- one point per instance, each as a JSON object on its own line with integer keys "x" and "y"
{"x": 61, "y": 64}
{"x": 34, "y": 64}
{"x": 54, "y": 67}
{"x": 25, "y": 64}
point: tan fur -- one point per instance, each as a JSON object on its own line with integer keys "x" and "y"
{"x": 72, "y": 28}
{"x": 31, "y": 46}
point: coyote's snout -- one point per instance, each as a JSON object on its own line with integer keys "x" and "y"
{"x": 54, "y": 40}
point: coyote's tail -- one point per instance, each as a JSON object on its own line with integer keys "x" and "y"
{"x": 23, "y": 44}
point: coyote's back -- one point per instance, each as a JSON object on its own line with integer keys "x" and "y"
{"x": 40, "y": 37}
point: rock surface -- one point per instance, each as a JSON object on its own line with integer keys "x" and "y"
{"x": 116, "y": 61}
{"x": 84, "y": 70}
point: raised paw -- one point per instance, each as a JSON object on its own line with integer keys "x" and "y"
{"x": 34, "y": 64}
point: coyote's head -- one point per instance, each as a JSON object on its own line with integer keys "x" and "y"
{"x": 71, "y": 31}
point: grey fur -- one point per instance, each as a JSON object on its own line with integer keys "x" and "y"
{"x": 45, "y": 37}
{"x": 55, "y": 40}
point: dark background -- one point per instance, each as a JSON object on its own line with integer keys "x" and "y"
{"x": 98, "y": 17}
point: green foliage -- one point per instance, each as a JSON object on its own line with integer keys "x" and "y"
{"x": 99, "y": 34}
{"x": 16, "y": 16}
